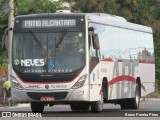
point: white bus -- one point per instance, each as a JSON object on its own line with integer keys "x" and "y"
{"x": 84, "y": 60}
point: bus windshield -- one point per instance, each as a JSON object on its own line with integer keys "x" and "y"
{"x": 48, "y": 52}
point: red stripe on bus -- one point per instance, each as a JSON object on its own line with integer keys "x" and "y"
{"x": 142, "y": 86}
{"x": 124, "y": 78}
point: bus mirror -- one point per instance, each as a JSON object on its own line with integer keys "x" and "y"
{"x": 7, "y": 30}
{"x": 95, "y": 41}
{"x": 4, "y": 38}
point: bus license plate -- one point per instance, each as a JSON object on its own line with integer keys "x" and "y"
{"x": 47, "y": 98}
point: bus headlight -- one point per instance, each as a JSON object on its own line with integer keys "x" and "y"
{"x": 80, "y": 82}
{"x": 15, "y": 83}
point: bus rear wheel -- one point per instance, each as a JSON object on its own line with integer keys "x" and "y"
{"x": 131, "y": 103}
{"x": 135, "y": 102}
{"x": 124, "y": 104}
{"x": 37, "y": 107}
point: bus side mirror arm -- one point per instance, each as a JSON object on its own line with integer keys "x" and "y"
{"x": 6, "y": 30}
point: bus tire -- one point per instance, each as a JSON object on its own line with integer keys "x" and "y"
{"x": 85, "y": 106}
{"x": 37, "y": 107}
{"x": 124, "y": 104}
{"x": 75, "y": 107}
{"x": 80, "y": 106}
{"x": 97, "y": 106}
{"x": 135, "y": 102}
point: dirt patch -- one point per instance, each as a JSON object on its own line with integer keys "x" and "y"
{"x": 154, "y": 95}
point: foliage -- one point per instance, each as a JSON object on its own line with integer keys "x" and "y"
{"x": 36, "y": 6}
{"x": 3, "y": 68}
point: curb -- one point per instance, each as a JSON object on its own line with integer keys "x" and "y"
{"x": 17, "y": 106}
{"x": 23, "y": 105}
{"x": 150, "y": 99}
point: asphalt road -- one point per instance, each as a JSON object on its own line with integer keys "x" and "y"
{"x": 147, "y": 108}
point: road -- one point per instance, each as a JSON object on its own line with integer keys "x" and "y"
{"x": 113, "y": 111}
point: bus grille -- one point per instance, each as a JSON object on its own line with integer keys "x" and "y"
{"x": 38, "y": 95}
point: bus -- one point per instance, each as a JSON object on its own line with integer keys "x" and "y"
{"x": 81, "y": 59}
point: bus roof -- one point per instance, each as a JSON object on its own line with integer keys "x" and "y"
{"x": 101, "y": 18}
{"x": 118, "y": 22}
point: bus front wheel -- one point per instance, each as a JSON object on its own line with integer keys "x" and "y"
{"x": 97, "y": 106}
{"x": 80, "y": 106}
{"x": 37, "y": 107}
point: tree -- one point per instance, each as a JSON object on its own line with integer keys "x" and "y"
{"x": 36, "y": 6}
{"x": 3, "y": 24}
{"x": 111, "y": 7}
{"x": 89, "y": 6}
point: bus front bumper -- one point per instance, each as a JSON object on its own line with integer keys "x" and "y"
{"x": 80, "y": 94}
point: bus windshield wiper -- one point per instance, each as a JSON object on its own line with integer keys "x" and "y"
{"x": 35, "y": 38}
{"x": 61, "y": 38}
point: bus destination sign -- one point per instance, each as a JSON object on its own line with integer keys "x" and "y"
{"x": 48, "y": 23}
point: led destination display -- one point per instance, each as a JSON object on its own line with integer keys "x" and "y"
{"x": 49, "y": 23}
